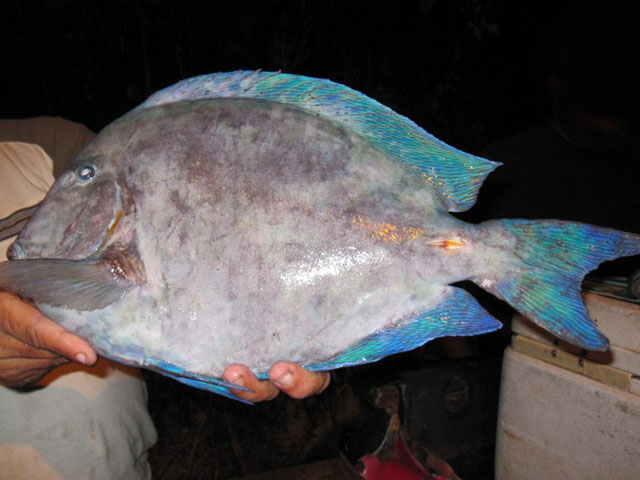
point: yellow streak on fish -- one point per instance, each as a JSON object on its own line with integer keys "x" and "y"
{"x": 449, "y": 243}
{"x": 387, "y": 232}
{"x": 113, "y": 226}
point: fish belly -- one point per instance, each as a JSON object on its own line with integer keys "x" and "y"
{"x": 269, "y": 234}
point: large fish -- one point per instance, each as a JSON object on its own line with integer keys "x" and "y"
{"x": 252, "y": 217}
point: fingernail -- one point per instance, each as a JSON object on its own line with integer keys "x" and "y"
{"x": 81, "y": 358}
{"x": 237, "y": 380}
{"x": 285, "y": 380}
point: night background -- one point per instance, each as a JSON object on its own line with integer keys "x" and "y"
{"x": 468, "y": 71}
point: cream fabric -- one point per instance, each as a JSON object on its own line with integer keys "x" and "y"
{"x": 59, "y": 137}
{"x": 25, "y": 176}
{"x": 82, "y": 423}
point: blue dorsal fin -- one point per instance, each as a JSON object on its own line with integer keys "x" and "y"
{"x": 454, "y": 175}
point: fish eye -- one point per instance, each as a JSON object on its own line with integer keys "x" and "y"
{"x": 86, "y": 173}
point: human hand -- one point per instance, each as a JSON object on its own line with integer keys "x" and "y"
{"x": 291, "y": 378}
{"x": 31, "y": 344}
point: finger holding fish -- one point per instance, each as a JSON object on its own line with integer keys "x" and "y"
{"x": 31, "y": 344}
{"x": 288, "y": 377}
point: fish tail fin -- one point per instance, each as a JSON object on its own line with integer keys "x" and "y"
{"x": 542, "y": 278}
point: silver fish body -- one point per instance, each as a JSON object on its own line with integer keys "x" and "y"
{"x": 245, "y": 230}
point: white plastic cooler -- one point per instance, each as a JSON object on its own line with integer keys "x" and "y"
{"x": 565, "y": 414}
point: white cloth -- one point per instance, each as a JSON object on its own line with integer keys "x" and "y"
{"x": 84, "y": 423}
{"x": 61, "y": 139}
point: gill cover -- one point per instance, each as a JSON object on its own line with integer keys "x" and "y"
{"x": 74, "y": 219}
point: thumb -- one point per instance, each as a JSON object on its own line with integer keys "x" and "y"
{"x": 26, "y": 324}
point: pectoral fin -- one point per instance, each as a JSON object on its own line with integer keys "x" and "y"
{"x": 82, "y": 285}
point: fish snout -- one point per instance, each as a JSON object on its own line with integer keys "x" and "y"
{"x": 16, "y": 251}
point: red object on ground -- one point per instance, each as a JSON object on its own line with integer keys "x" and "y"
{"x": 401, "y": 465}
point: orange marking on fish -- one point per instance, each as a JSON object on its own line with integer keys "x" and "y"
{"x": 115, "y": 223}
{"x": 449, "y": 243}
{"x": 387, "y": 232}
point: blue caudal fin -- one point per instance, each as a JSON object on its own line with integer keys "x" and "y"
{"x": 459, "y": 314}
{"x": 544, "y": 282}
{"x": 454, "y": 175}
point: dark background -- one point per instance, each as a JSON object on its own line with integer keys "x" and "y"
{"x": 468, "y": 71}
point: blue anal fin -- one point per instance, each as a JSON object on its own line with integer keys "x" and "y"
{"x": 210, "y": 384}
{"x": 459, "y": 314}
{"x": 209, "y": 387}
